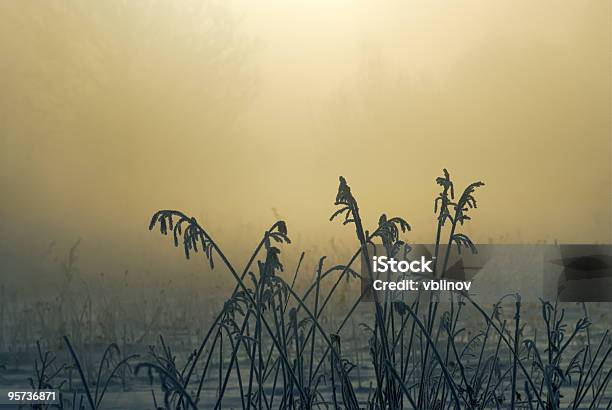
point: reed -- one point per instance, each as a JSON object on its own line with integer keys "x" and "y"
{"x": 280, "y": 340}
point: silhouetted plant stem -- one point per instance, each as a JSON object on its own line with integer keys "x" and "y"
{"x": 402, "y": 386}
{"x": 316, "y": 313}
{"x": 207, "y": 363}
{"x": 484, "y": 399}
{"x": 517, "y": 319}
{"x": 444, "y": 214}
{"x": 448, "y": 249}
{"x": 235, "y": 347}
{"x": 77, "y": 364}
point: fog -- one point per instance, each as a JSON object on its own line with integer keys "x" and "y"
{"x": 241, "y": 112}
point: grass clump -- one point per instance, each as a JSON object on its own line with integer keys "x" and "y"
{"x": 285, "y": 339}
{"x": 274, "y": 344}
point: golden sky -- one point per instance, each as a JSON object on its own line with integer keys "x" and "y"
{"x": 239, "y": 111}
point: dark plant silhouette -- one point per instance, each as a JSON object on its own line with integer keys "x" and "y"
{"x": 279, "y": 341}
{"x": 456, "y": 214}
